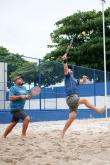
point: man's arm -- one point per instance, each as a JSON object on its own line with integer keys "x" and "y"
{"x": 14, "y": 98}
{"x": 65, "y": 64}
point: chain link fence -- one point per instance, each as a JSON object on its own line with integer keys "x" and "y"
{"x": 50, "y": 77}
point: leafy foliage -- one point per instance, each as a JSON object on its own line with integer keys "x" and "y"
{"x": 86, "y": 29}
{"x": 51, "y": 72}
{"x": 47, "y": 73}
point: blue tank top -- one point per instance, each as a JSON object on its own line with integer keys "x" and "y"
{"x": 71, "y": 84}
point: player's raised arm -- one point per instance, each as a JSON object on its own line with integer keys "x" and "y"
{"x": 65, "y": 58}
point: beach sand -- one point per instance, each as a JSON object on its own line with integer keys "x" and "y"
{"x": 87, "y": 142}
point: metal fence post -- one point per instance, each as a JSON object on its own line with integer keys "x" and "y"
{"x": 44, "y": 98}
{"x": 29, "y": 99}
{"x": 56, "y": 98}
{"x": 94, "y": 87}
{"x": 4, "y": 89}
{"x": 39, "y": 86}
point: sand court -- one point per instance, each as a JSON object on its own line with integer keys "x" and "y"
{"x": 87, "y": 142}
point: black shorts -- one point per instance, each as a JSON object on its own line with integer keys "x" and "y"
{"x": 17, "y": 115}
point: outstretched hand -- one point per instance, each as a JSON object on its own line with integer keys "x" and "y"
{"x": 25, "y": 97}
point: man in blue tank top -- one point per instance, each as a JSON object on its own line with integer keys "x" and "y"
{"x": 72, "y": 95}
{"x": 18, "y": 96}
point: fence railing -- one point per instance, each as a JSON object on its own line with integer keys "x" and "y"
{"x": 50, "y": 77}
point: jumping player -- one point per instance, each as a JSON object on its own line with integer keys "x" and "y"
{"x": 72, "y": 96}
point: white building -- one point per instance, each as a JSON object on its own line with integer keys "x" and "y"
{"x": 3, "y": 84}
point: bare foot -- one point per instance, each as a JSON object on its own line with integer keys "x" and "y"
{"x": 3, "y": 137}
{"x": 102, "y": 110}
{"x": 62, "y": 134}
{"x": 23, "y": 137}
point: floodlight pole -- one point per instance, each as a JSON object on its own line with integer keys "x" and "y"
{"x": 104, "y": 52}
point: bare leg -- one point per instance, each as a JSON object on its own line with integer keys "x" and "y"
{"x": 91, "y": 106}
{"x": 25, "y": 126}
{"x": 72, "y": 117}
{"x": 9, "y": 129}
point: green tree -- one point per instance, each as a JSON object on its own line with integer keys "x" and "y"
{"x": 13, "y": 60}
{"x": 50, "y": 73}
{"x": 47, "y": 73}
{"x": 86, "y": 29}
{"x": 29, "y": 70}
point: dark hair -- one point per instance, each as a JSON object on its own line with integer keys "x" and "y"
{"x": 18, "y": 77}
{"x": 70, "y": 66}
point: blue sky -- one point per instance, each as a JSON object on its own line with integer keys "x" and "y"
{"x": 26, "y": 25}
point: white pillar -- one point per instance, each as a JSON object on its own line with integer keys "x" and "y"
{"x": 3, "y": 85}
{"x": 104, "y": 52}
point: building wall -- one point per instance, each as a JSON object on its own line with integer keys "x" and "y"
{"x": 3, "y": 84}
